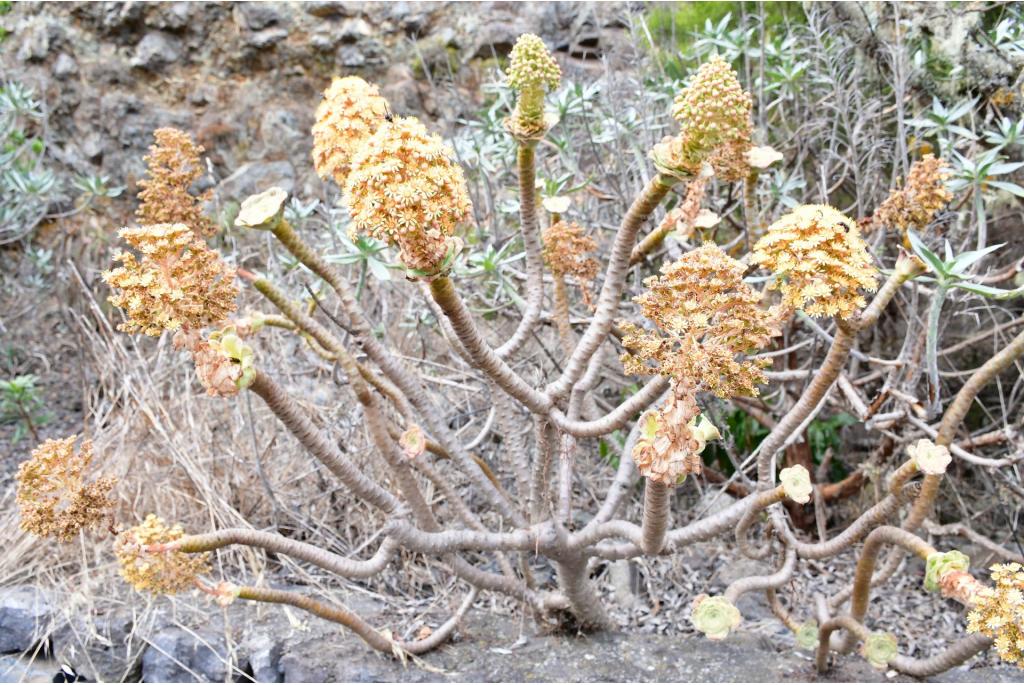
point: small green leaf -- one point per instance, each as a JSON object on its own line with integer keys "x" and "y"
{"x": 926, "y": 255}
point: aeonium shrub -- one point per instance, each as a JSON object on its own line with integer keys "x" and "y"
{"x": 704, "y": 326}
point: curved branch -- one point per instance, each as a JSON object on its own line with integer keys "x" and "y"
{"x": 618, "y": 417}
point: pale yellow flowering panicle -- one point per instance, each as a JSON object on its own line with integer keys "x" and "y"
{"x": 54, "y": 494}
{"x": 714, "y": 116}
{"x": 150, "y": 562}
{"x": 173, "y": 166}
{"x": 820, "y": 260}
{"x": 351, "y": 111}
{"x": 532, "y": 71}
{"x": 405, "y": 189}
{"x": 176, "y": 282}
{"x": 914, "y": 206}
{"x": 998, "y": 612}
{"x": 708, "y": 318}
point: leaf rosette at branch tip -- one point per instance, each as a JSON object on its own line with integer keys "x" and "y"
{"x": 940, "y": 563}
{"x": 350, "y": 113}
{"x": 224, "y": 363}
{"x": 807, "y": 635}
{"x": 879, "y": 649}
{"x": 707, "y": 319}
{"x": 55, "y": 497}
{"x": 929, "y": 458}
{"x": 796, "y": 482}
{"x": 714, "y": 616}
{"x": 413, "y": 442}
{"x": 821, "y": 263}
{"x": 406, "y": 190}
{"x": 263, "y": 211}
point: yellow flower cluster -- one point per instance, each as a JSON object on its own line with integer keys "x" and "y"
{"x": 531, "y": 70}
{"x": 916, "y": 204}
{"x": 151, "y": 564}
{"x": 405, "y": 189}
{"x": 177, "y": 282}
{"x": 714, "y": 113}
{"x": 54, "y": 496}
{"x": 566, "y": 251}
{"x": 708, "y": 317}
{"x": 672, "y": 438}
{"x": 999, "y": 612}
{"x": 820, "y": 261}
{"x": 174, "y": 166}
{"x": 352, "y": 110}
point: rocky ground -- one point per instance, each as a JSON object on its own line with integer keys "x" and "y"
{"x": 490, "y": 646}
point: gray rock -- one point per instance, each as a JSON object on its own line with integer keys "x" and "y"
{"x": 264, "y": 655}
{"x": 350, "y": 56}
{"x": 26, "y": 614}
{"x": 38, "y": 37}
{"x": 172, "y": 16}
{"x": 156, "y": 50}
{"x": 257, "y": 15}
{"x": 176, "y": 656}
{"x": 14, "y": 669}
{"x": 266, "y": 37}
{"x": 624, "y": 581}
{"x": 255, "y": 177}
{"x": 355, "y": 29}
{"x": 65, "y": 65}
{"x": 101, "y": 647}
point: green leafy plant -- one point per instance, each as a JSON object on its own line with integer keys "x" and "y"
{"x": 22, "y": 403}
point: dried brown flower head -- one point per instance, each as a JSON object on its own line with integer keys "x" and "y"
{"x": 820, "y": 260}
{"x": 405, "y": 189}
{"x": 672, "y": 438}
{"x": 567, "y": 250}
{"x": 174, "y": 166}
{"x": 150, "y": 563}
{"x": 177, "y": 282}
{"x": 998, "y": 612}
{"x": 714, "y": 115}
{"x": 915, "y": 205}
{"x": 683, "y": 219}
{"x": 352, "y": 110}
{"x": 707, "y": 318}
{"x": 54, "y": 495}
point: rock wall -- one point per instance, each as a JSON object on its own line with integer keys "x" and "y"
{"x": 245, "y": 77}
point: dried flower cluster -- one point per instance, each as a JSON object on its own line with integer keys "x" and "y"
{"x": 150, "y": 564}
{"x": 714, "y": 114}
{"x": 708, "y": 318}
{"x": 683, "y": 218}
{"x": 916, "y": 204}
{"x": 671, "y": 439}
{"x": 998, "y": 612}
{"x": 567, "y": 250}
{"x": 224, "y": 364}
{"x": 405, "y": 189}
{"x": 531, "y": 71}
{"x": 352, "y": 110}
{"x": 820, "y": 260}
{"x": 174, "y": 166}
{"x": 177, "y": 282}
{"x": 55, "y": 497}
